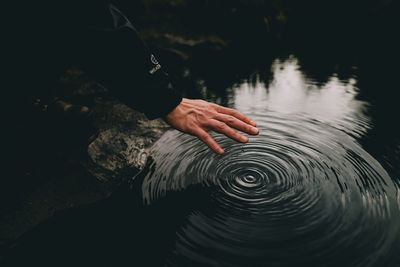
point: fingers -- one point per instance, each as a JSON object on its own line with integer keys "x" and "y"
{"x": 236, "y": 114}
{"x": 198, "y": 117}
{"x": 208, "y": 140}
{"x": 237, "y": 124}
{"x": 221, "y": 127}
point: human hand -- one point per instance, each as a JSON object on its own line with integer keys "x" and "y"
{"x": 198, "y": 117}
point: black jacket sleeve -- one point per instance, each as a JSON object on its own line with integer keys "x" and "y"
{"x": 97, "y": 37}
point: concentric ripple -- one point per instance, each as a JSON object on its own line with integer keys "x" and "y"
{"x": 301, "y": 193}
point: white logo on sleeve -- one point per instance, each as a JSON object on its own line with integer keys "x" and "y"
{"x": 155, "y": 62}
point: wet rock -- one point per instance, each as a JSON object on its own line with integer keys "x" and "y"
{"x": 120, "y": 149}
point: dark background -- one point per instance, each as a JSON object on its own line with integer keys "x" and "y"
{"x": 215, "y": 42}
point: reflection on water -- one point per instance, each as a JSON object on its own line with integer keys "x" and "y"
{"x": 291, "y": 92}
{"x": 303, "y": 192}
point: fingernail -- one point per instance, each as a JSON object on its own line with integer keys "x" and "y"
{"x": 253, "y": 123}
{"x": 244, "y": 139}
{"x": 255, "y": 130}
{"x": 219, "y": 150}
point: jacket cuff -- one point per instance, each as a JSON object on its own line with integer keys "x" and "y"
{"x": 163, "y": 103}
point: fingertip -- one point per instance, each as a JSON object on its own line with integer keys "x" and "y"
{"x": 253, "y": 131}
{"x": 219, "y": 151}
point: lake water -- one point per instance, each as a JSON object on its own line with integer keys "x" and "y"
{"x": 318, "y": 186}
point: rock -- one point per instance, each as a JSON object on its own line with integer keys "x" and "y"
{"x": 120, "y": 149}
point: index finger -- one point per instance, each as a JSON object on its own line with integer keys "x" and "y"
{"x": 236, "y": 114}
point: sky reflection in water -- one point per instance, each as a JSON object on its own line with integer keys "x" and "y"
{"x": 291, "y": 92}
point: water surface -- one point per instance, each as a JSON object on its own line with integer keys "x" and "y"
{"x": 304, "y": 192}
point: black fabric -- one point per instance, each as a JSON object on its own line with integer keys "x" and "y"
{"x": 94, "y": 35}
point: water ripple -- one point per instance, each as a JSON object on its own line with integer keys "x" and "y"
{"x": 301, "y": 192}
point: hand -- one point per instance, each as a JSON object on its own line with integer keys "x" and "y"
{"x": 197, "y": 117}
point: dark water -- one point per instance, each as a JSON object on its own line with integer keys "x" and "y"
{"x": 319, "y": 186}
{"x": 305, "y": 192}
